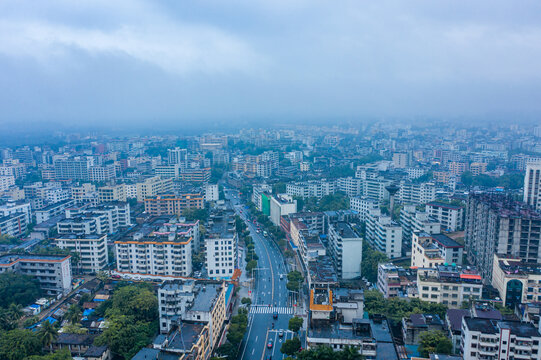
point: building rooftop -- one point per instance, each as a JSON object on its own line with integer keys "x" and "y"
{"x": 455, "y": 318}
{"x": 345, "y": 230}
{"x": 322, "y": 270}
{"x": 505, "y": 206}
{"x": 444, "y": 205}
{"x": 221, "y": 225}
{"x": 491, "y": 326}
{"x": 518, "y": 267}
{"x": 205, "y": 297}
{"x": 8, "y": 259}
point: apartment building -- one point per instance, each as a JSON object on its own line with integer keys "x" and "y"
{"x": 16, "y": 207}
{"x": 168, "y": 171}
{"x": 499, "y": 339}
{"x": 107, "y": 218}
{"x": 112, "y": 193}
{"x": 84, "y": 193}
{"x": 190, "y": 301}
{"x": 449, "y": 285}
{"x": 196, "y": 175}
{"x": 281, "y": 205}
{"x": 221, "y": 245}
{"x": 257, "y": 191}
{"x": 53, "y": 210}
{"x": 311, "y": 188}
{"x": 413, "y": 220}
{"x": 451, "y": 217}
{"x": 395, "y": 281}
{"x": 496, "y": 224}
{"x": 6, "y": 182}
{"x": 350, "y": 185}
{"x": 15, "y": 170}
{"x": 173, "y": 204}
{"x": 165, "y": 253}
{"x": 384, "y": 233}
{"x": 375, "y": 188}
{"x": 92, "y": 250}
{"x": 76, "y": 168}
{"x": 52, "y": 271}
{"x": 532, "y": 185}
{"x": 363, "y": 206}
{"x": 414, "y": 193}
{"x": 430, "y": 250}
{"x": 212, "y": 192}
{"x": 13, "y": 225}
{"x": 153, "y": 186}
{"x": 102, "y": 173}
{"x": 516, "y": 280}
{"x": 345, "y": 248}
{"x": 177, "y": 155}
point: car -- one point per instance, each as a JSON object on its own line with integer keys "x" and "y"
{"x": 115, "y": 276}
{"x": 281, "y": 333}
{"x": 275, "y": 315}
{"x": 269, "y": 344}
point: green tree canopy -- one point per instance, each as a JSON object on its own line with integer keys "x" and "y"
{"x": 295, "y": 324}
{"x": 370, "y": 260}
{"x": 18, "y": 344}
{"x": 434, "y": 341}
{"x": 18, "y": 289}
{"x": 291, "y": 346}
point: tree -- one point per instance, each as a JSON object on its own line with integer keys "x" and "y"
{"x": 18, "y": 289}
{"x": 251, "y": 265}
{"x": 434, "y": 341}
{"x": 370, "y": 260}
{"x": 246, "y": 301}
{"x": 102, "y": 276}
{"x": 62, "y": 354}
{"x": 18, "y": 344}
{"x": 125, "y": 336}
{"x": 350, "y": 353}
{"x": 74, "y": 329}
{"x": 295, "y": 324}
{"x": 294, "y": 280}
{"x": 279, "y": 188}
{"x": 291, "y": 346}
{"x": 73, "y": 314}
{"x": 193, "y": 214}
{"x": 47, "y": 334}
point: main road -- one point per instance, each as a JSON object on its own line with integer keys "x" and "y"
{"x": 269, "y": 295}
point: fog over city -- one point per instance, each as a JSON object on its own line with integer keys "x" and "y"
{"x": 124, "y": 64}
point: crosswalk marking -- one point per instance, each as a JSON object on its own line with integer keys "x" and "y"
{"x": 254, "y": 309}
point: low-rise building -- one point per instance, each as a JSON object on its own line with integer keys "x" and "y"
{"x": 453, "y": 322}
{"x": 153, "y": 186}
{"x": 449, "y": 285}
{"x": 395, "y": 281}
{"x": 414, "y": 325}
{"x": 92, "y": 250}
{"x": 413, "y": 220}
{"x": 429, "y": 250}
{"x": 112, "y": 193}
{"x": 311, "y": 188}
{"x": 13, "y": 225}
{"x": 498, "y": 339}
{"x": 52, "y": 271}
{"x": 212, "y": 192}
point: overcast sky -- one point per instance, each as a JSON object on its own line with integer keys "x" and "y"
{"x": 159, "y": 62}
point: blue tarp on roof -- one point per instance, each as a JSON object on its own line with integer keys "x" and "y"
{"x": 88, "y": 312}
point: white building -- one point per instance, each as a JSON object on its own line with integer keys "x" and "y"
{"x": 412, "y": 193}
{"x": 102, "y": 173}
{"x": 449, "y": 285}
{"x": 168, "y": 171}
{"x": 311, "y": 188}
{"x": 221, "y": 246}
{"x": 401, "y": 160}
{"x": 281, "y": 205}
{"x": 92, "y": 250}
{"x": 157, "y": 253}
{"x": 429, "y": 250}
{"x": 413, "y": 220}
{"x": 498, "y": 339}
{"x": 363, "y": 205}
{"x": 211, "y": 192}
{"x": 6, "y": 182}
{"x": 346, "y": 249}
{"x": 11, "y": 208}
{"x": 350, "y": 185}
{"x": 384, "y": 233}
{"x": 154, "y": 186}
{"x": 532, "y": 185}
{"x": 52, "y": 271}
{"x": 450, "y": 216}
{"x": 304, "y": 166}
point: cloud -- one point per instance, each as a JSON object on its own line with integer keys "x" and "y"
{"x": 175, "y": 47}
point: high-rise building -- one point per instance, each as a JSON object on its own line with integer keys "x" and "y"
{"x": 173, "y": 204}
{"x": 92, "y": 250}
{"x": 346, "y": 249}
{"x": 496, "y": 224}
{"x": 176, "y": 156}
{"x": 221, "y": 246}
{"x": 74, "y": 168}
{"x": 532, "y": 185}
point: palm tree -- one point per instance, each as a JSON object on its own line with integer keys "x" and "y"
{"x": 73, "y": 314}
{"x": 15, "y": 311}
{"x": 350, "y": 353}
{"x": 47, "y": 334}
